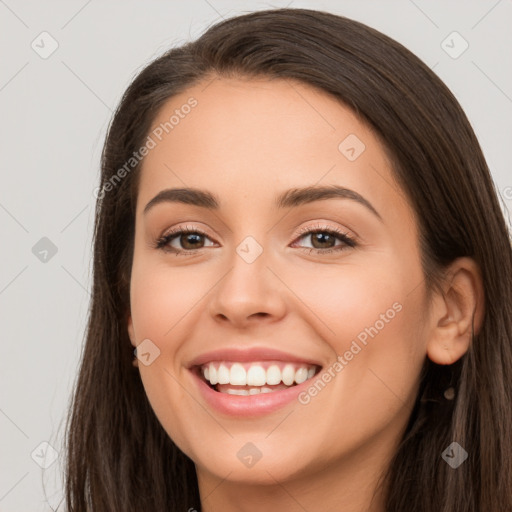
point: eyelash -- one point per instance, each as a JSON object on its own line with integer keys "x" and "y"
{"x": 162, "y": 242}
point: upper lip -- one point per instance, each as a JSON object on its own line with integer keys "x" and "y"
{"x": 249, "y": 354}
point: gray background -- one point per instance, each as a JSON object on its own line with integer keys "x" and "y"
{"x": 54, "y": 114}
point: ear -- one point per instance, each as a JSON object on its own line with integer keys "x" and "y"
{"x": 131, "y": 334}
{"x": 457, "y": 312}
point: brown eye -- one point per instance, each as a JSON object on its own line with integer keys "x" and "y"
{"x": 324, "y": 240}
{"x": 190, "y": 241}
{"x": 183, "y": 241}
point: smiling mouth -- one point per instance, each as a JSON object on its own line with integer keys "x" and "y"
{"x": 244, "y": 379}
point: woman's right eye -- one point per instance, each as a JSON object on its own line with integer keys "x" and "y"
{"x": 184, "y": 237}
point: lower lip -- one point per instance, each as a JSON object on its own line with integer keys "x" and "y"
{"x": 248, "y": 405}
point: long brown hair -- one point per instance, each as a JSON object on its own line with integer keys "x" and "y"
{"x": 119, "y": 458}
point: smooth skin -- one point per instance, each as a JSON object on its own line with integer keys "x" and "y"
{"x": 246, "y": 142}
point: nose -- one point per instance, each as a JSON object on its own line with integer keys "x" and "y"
{"x": 248, "y": 293}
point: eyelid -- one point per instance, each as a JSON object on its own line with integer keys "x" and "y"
{"x": 326, "y": 227}
{"x": 303, "y": 230}
{"x": 345, "y": 236}
{"x": 187, "y": 228}
{"x": 175, "y": 232}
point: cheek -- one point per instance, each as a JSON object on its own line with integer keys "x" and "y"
{"x": 373, "y": 316}
{"x": 376, "y": 334}
{"x": 344, "y": 300}
{"x": 160, "y": 297}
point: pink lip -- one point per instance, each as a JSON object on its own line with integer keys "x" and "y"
{"x": 251, "y": 405}
{"x": 249, "y": 354}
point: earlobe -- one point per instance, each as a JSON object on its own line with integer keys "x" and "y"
{"x": 448, "y": 346}
{"x": 457, "y": 313}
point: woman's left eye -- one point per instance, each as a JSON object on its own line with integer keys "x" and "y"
{"x": 323, "y": 238}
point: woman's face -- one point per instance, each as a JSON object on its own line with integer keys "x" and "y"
{"x": 278, "y": 281}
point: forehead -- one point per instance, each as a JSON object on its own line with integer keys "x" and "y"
{"x": 250, "y": 138}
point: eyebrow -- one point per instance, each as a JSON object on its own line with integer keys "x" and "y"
{"x": 288, "y": 199}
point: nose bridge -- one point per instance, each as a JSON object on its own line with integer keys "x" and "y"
{"x": 248, "y": 288}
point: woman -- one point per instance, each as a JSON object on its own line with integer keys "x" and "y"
{"x": 367, "y": 370}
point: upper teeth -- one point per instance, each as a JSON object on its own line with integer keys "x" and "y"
{"x": 255, "y": 374}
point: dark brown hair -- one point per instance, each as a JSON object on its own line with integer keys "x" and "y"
{"x": 119, "y": 457}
